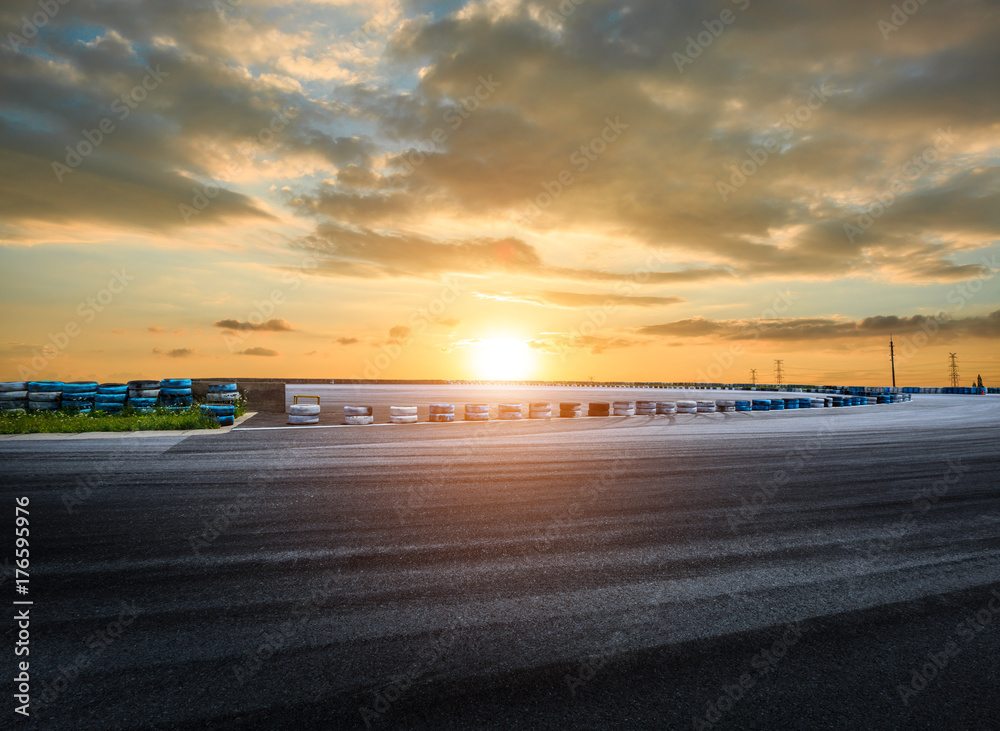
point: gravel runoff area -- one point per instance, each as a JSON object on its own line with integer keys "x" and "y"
{"x": 834, "y": 568}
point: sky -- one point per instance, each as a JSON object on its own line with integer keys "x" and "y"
{"x": 507, "y": 189}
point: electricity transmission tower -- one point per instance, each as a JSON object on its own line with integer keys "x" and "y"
{"x": 778, "y": 375}
{"x": 753, "y": 376}
{"x": 954, "y": 369}
{"x": 892, "y": 359}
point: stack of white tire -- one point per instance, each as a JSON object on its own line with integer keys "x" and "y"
{"x": 510, "y": 412}
{"x": 14, "y": 397}
{"x": 402, "y": 414}
{"x": 44, "y": 395}
{"x": 666, "y": 407}
{"x": 358, "y": 415}
{"x": 645, "y": 408}
{"x": 624, "y": 408}
{"x": 817, "y": 403}
{"x": 570, "y": 410}
{"x": 707, "y": 407}
{"x": 540, "y": 410}
{"x": 477, "y": 412}
{"x": 687, "y": 407}
{"x": 222, "y": 393}
{"x": 442, "y": 412}
{"x": 726, "y": 406}
{"x": 302, "y": 413}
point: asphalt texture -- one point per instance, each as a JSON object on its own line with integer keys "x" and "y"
{"x": 826, "y": 568}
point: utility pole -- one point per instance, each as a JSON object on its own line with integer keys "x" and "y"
{"x": 777, "y": 372}
{"x": 954, "y": 369}
{"x": 753, "y": 376}
{"x": 892, "y": 359}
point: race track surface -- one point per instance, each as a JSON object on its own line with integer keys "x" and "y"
{"x": 827, "y": 568}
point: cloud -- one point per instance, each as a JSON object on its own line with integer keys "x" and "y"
{"x": 272, "y": 325}
{"x": 580, "y": 299}
{"x": 346, "y": 341}
{"x": 398, "y": 334}
{"x": 176, "y": 352}
{"x": 266, "y": 352}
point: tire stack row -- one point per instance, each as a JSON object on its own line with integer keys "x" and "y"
{"x": 224, "y": 414}
{"x": 299, "y": 414}
{"x": 540, "y": 410}
{"x": 175, "y": 394}
{"x": 705, "y": 407}
{"x": 402, "y": 414}
{"x": 687, "y": 407}
{"x": 599, "y": 408}
{"x": 624, "y": 408}
{"x": 357, "y": 415}
{"x": 726, "y": 406}
{"x": 645, "y": 408}
{"x": 570, "y": 410}
{"x": 44, "y": 395}
{"x": 445, "y": 412}
{"x": 143, "y": 395}
{"x": 666, "y": 407}
{"x": 509, "y": 412}
{"x": 110, "y": 397}
{"x": 477, "y": 412}
{"x": 743, "y": 406}
{"x": 222, "y": 393}
{"x": 79, "y": 396}
{"x": 14, "y": 396}
{"x": 760, "y": 405}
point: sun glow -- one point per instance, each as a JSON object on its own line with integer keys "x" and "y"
{"x": 503, "y": 359}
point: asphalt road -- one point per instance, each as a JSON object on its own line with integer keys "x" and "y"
{"x": 789, "y": 570}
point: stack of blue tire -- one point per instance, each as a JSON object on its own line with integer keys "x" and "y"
{"x": 44, "y": 395}
{"x": 14, "y": 397}
{"x": 777, "y": 404}
{"x": 743, "y": 406}
{"x": 760, "y": 405}
{"x": 224, "y": 414}
{"x": 111, "y": 397}
{"x": 79, "y": 396}
{"x": 175, "y": 394}
{"x": 805, "y": 403}
{"x": 791, "y": 403}
{"x": 143, "y": 395}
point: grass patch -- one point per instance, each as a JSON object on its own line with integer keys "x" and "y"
{"x": 71, "y": 422}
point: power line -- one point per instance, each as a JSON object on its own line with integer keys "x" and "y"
{"x": 954, "y": 369}
{"x": 778, "y": 375}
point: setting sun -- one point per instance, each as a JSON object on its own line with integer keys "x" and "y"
{"x": 506, "y": 359}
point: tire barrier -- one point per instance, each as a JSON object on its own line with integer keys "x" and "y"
{"x": 222, "y": 413}
{"x": 297, "y": 413}
{"x": 777, "y": 404}
{"x": 705, "y": 407}
{"x": 402, "y": 414}
{"x": 645, "y": 408}
{"x": 442, "y": 412}
{"x": 79, "y": 396}
{"x": 226, "y": 420}
{"x": 838, "y": 401}
{"x": 687, "y": 407}
{"x": 599, "y": 408}
{"x": 726, "y": 406}
{"x": 743, "y": 406}
{"x": 509, "y": 412}
{"x": 357, "y": 415}
{"x": 175, "y": 393}
{"x": 570, "y": 410}
{"x": 624, "y": 408}
{"x": 477, "y": 412}
{"x": 143, "y": 390}
{"x": 791, "y": 403}
{"x": 44, "y": 395}
{"x": 222, "y": 393}
{"x": 817, "y": 403}
{"x": 666, "y": 407}
{"x": 110, "y": 397}
{"x": 14, "y": 396}
{"x": 540, "y": 410}
{"x": 760, "y": 405}
{"x": 143, "y": 405}
{"x": 301, "y": 420}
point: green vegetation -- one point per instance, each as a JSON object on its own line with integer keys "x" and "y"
{"x": 72, "y": 422}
